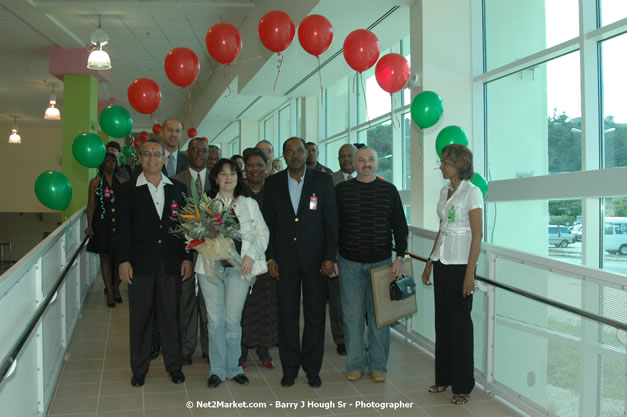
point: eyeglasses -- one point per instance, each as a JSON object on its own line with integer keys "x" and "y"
{"x": 290, "y": 152}
{"x": 148, "y": 155}
{"x": 198, "y": 150}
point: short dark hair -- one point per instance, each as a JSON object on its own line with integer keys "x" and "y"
{"x": 236, "y": 156}
{"x": 294, "y": 137}
{"x": 255, "y": 152}
{"x": 197, "y": 139}
{"x": 359, "y": 145}
{"x": 216, "y": 148}
{"x": 461, "y": 158}
{"x": 152, "y": 140}
{"x": 217, "y": 168}
{"x": 114, "y": 144}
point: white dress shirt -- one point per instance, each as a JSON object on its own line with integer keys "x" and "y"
{"x": 157, "y": 193}
{"x": 348, "y": 176}
{"x": 455, "y": 236}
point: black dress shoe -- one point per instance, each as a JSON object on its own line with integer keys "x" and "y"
{"x": 154, "y": 352}
{"x": 287, "y": 381}
{"x": 341, "y": 349}
{"x": 214, "y": 381}
{"x": 177, "y": 377}
{"x": 187, "y": 359}
{"x": 137, "y": 381}
{"x": 314, "y": 381}
{"x": 241, "y": 379}
{"x": 110, "y": 305}
{"x": 118, "y": 299}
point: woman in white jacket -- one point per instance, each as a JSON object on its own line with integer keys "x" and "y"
{"x": 225, "y": 294}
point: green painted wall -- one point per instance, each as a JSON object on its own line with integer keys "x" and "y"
{"x": 80, "y": 112}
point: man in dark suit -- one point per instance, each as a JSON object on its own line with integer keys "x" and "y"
{"x": 175, "y": 161}
{"x": 153, "y": 262}
{"x": 193, "y": 309}
{"x": 345, "y": 156}
{"x": 299, "y": 209}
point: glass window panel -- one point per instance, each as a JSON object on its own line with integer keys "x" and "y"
{"x": 285, "y": 124}
{"x": 406, "y": 144}
{"x": 268, "y": 131}
{"x": 612, "y": 11}
{"x": 406, "y": 52}
{"x": 520, "y": 141}
{"x": 332, "y": 150}
{"x": 614, "y": 68}
{"x": 337, "y": 107}
{"x": 299, "y": 117}
{"x": 615, "y": 235}
{"x": 543, "y": 227}
{"x": 515, "y": 29}
{"x": 379, "y": 138}
{"x": 378, "y": 100}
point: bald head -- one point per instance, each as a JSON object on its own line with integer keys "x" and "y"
{"x": 346, "y": 157}
{"x": 366, "y": 164}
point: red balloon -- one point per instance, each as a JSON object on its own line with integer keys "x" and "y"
{"x": 137, "y": 142}
{"x": 224, "y": 42}
{"x": 315, "y": 34}
{"x": 144, "y": 95}
{"x": 191, "y": 132}
{"x": 181, "y": 66}
{"x": 361, "y": 49}
{"x": 205, "y": 139}
{"x": 392, "y": 72}
{"x": 276, "y": 30}
{"x": 143, "y": 136}
{"x": 156, "y": 128}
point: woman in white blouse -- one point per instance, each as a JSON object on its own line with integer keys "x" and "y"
{"x": 454, "y": 260}
{"x": 225, "y": 296}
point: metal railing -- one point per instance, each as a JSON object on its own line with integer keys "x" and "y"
{"x": 41, "y": 297}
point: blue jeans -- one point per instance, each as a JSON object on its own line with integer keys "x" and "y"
{"x": 357, "y": 302}
{"x": 224, "y": 302}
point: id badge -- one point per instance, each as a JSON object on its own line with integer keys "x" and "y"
{"x": 313, "y": 202}
{"x": 451, "y": 215}
{"x": 175, "y": 208}
{"x": 107, "y": 193}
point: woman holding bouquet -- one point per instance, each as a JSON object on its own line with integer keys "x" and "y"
{"x": 225, "y": 287}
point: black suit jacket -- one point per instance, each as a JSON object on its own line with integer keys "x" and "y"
{"x": 142, "y": 238}
{"x": 186, "y": 178}
{"x": 308, "y": 237}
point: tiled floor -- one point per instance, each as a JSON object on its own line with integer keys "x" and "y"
{"x": 95, "y": 381}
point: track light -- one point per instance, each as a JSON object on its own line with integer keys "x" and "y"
{"x": 98, "y": 58}
{"x": 52, "y": 113}
{"x": 14, "y": 138}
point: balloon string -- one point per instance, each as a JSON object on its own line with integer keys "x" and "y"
{"x": 363, "y": 91}
{"x": 320, "y": 75}
{"x": 191, "y": 113}
{"x": 354, "y": 81}
{"x": 278, "y": 71}
{"x": 227, "y": 81}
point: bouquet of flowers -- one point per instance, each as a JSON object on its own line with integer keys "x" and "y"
{"x": 209, "y": 227}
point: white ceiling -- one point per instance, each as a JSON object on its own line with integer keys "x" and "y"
{"x": 142, "y": 32}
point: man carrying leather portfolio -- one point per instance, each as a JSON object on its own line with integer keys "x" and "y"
{"x": 370, "y": 212}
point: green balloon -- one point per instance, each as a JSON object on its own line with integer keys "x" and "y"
{"x": 426, "y": 109}
{"x": 480, "y": 182}
{"x": 89, "y": 150}
{"x": 116, "y": 121}
{"x": 53, "y": 190}
{"x": 450, "y": 135}
{"x": 126, "y": 150}
{"x": 122, "y": 160}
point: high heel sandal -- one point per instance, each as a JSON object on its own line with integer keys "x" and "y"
{"x": 460, "y": 399}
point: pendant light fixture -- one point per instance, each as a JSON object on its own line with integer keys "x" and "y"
{"x": 52, "y": 113}
{"x": 98, "y": 59}
{"x": 15, "y": 138}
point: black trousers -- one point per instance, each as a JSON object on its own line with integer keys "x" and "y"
{"x": 454, "y": 363}
{"x": 149, "y": 295}
{"x": 335, "y": 311}
{"x": 314, "y": 286}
